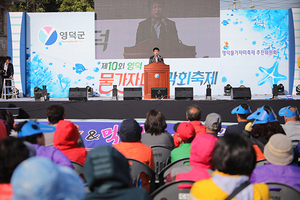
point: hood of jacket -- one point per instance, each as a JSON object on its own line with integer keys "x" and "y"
{"x": 106, "y": 169}
{"x": 202, "y": 150}
{"x": 66, "y": 135}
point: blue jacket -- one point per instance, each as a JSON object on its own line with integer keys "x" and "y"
{"x": 236, "y": 129}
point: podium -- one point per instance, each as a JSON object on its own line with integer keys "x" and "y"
{"x": 156, "y": 75}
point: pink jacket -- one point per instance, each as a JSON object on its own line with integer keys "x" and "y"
{"x": 201, "y": 158}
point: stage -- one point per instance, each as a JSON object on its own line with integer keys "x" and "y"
{"x": 106, "y": 108}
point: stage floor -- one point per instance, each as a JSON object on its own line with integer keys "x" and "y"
{"x": 106, "y": 108}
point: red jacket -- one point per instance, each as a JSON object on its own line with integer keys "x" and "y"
{"x": 6, "y": 191}
{"x": 198, "y": 126}
{"x": 65, "y": 139}
{"x": 137, "y": 151}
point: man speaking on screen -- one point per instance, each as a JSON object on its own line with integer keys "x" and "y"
{"x": 156, "y": 26}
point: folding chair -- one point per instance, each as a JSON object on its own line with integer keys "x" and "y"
{"x": 162, "y": 175}
{"x": 78, "y": 169}
{"x": 161, "y": 157}
{"x": 261, "y": 162}
{"x": 173, "y": 190}
{"x": 295, "y": 143}
{"x": 282, "y": 191}
{"x": 136, "y": 168}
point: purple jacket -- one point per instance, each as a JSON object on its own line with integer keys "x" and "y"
{"x": 287, "y": 174}
{"x": 53, "y": 154}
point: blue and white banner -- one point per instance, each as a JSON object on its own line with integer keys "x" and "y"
{"x": 61, "y": 54}
{"x": 60, "y": 51}
{"x": 105, "y": 132}
{"x": 16, "y": 49}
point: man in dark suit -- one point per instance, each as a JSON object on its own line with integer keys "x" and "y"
{"x": 156, "y": 26}
{"x": 6, "y": 71}
{"x": 156, "y": 57}
{"x": 242, "y": 112}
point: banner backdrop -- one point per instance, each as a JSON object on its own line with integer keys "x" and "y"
{"x": 59, "y": 50}
{"x": 257, "y": 43}
{"x": 295, "y": 33}
{"x": 61, "y": 54}
{"x": 104, "y": 132}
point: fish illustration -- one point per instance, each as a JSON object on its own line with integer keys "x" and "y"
{"x": 90, "y": 78}
{"x": 79, "y": 68}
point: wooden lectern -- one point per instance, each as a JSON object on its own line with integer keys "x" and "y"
{"x": 156, "y": 75}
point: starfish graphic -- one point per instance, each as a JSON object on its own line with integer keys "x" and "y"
{"x": 271, "y": 75}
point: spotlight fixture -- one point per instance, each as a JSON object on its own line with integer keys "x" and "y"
{"x": 227, "y": 90}
{"x": 90, "y": 91}
{"x": 115, "y": 93}
{"x": 208, "y": 92}
{"x": 298, "y": 90}
{"x": 41, "y": 94}
{"x": 280, "y": 89}
{"x": 37, "y": 93}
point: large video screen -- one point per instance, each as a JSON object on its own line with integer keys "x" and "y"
{"x": 179, "y": 28}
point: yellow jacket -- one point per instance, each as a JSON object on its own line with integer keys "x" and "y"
{"x": 221, "y": 185}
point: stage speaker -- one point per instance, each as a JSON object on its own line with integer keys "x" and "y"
{"x": 15, "y": 111}
{"x": 78, "y": 94}
{"x": 183, "y": 93}
{"x": 241, "y": 93}
{"x": 159, "y": 93}
{"x": 132, "y": 93}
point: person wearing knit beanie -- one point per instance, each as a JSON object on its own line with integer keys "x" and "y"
{"x": 279, "y": 154}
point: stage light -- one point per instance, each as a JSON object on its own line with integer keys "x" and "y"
{"x": 275, "y": 91}
{"x": 227, "y": 90}
{"x": 242, "y": 86}
{"x": 90, "y": 91}
{"x": 280, "y": 89}
{"x": 37, "y": 93}
{"x": 298, "y": 90}
{"x": 41, "y": 94}
{"x": 208, "y": 92}
{"x": 115, "y": 93}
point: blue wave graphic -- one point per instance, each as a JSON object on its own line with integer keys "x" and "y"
{"x": 39, "y": 74}
{"x": 273, "y": 25}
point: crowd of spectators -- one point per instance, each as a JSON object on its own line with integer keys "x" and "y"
{"x": 39, "y": 162}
